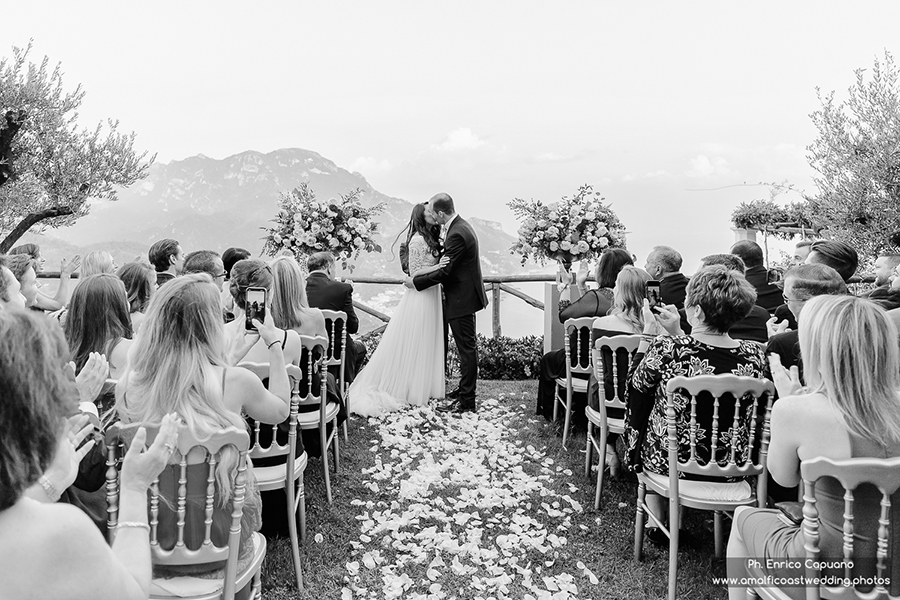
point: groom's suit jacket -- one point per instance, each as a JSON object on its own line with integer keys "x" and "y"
{"x": 463, "y": 285}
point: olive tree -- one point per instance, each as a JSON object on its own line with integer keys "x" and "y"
{"x": 857, "y": 158}
{"x": 49, "y": 165}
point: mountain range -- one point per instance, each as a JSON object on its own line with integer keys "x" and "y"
{"x": 212, "y": 204}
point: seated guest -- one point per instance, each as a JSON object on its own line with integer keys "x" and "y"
{"x": 593, "y": 303}
{"x": 22, "y": 267}
{"x": 767, "y": 295}
{"x": 625, "y": 318}
{"x": 184, "y": 370}
{"x": 48, "y": 549}
{"x": 254, "y": 273}
{"x": 99, "y": 321}
{"x": 801, "y": 251}
{"x": 324, "y": 292}
{"x": 837, "y": 255}
{"x": 167, "y": 258}
{"x": 850, "y": 409}
{"x": 664, "y": 265}
{"x": 11, "y": 297}
{"x": 229, "y": 258}
{"x": 66, "y": 268}
{"x": 99, "y": 261}
{"x": 140, "y": 283}
{"x": 800, "y": 285}
{"x": 885, "y": 265}
{"x": 290, "y": 308}
{"x": 753, "y": 326}
{"x": 717, "y": 298}
{"x": 596, "y": 302}
{"x": 206, "y": 261}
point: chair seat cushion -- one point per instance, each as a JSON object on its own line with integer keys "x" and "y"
{"x": 615, "y": 425}
{"x": 269, "y": 476}
{"x": 189, "y": 587}
{"x": 578, "y": 385}
{"x": 738, "y": 491}
{"x": 310, "y": 420}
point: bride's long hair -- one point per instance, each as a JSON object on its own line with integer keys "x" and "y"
{"x": 417, "y": 224}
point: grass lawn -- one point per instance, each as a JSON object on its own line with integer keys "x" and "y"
{"x": 600, "y": 541}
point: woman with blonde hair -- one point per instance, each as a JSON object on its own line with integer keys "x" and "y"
{"x": 98, "y": 261}
{"x": 290, "y": 307}
{"x": 850, "y": 408}
{"x": 66, "y": 268}
{"x": 624, "y": 318}
{"x": 178, "y": 364}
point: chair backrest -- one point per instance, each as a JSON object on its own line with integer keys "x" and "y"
{"x": 309, "y": 378}
{"x": 611, "y": 357}
{"x": 204, "y": 455}
{"x": 736, "y": 440}
{"x": 335, "y": 325}
{"x": 268, "y": 441}
{"x": 578, "y": 344}
{"x": 878, "y": 535}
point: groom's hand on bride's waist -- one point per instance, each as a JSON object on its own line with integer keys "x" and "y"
{"x": 408, "y": 282}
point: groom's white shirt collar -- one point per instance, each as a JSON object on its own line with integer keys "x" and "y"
{"x": 447, "y": 224}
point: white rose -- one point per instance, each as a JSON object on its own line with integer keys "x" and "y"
{"x": 554, "y": 246}
{"x": 565, "y": 245}
{"x": 603, "y": 243}
{"x": 602, "y": 230}
{"x": 590, "y": 215}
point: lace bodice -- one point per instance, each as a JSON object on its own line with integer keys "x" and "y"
{"x": 420, "y": 255}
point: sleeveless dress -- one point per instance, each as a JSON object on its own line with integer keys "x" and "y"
{"x": 407, "y": 367}
{"x": 766, "y": 535}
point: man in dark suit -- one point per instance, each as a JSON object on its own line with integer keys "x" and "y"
{"x": 323, "y": 291}
{"x": 767, "y": 295}
{"x": 664, "y": 265}
{"x": 463, "y": 294}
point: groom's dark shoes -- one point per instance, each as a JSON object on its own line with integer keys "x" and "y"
{"x": 454, "y": 394}
{"x": 457, "y": 407}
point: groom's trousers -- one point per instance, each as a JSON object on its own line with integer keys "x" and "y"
{"x": 463, "y": 329}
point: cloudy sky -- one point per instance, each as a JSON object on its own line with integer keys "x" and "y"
{"x": 668, "y": 109}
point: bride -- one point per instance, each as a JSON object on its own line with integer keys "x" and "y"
{"x": 407, "y": 367}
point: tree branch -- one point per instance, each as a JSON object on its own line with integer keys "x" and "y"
{"x": 29, "y": 221}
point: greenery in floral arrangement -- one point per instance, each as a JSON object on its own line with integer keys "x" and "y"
{"x": 768, "y": 215}
{"x": 501, "y": 358}
{"x": 305, "y": 225}
{"x": 574, "y": 228}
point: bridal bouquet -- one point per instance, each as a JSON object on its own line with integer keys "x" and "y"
{"x": 305, "y": 225}
{"x": 574, "y": 228}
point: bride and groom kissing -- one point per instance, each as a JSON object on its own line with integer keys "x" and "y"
{"x": 444, "y": 288}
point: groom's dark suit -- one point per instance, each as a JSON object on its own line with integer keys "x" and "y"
{"x": 463, "y": 297}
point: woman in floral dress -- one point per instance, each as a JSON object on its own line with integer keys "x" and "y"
{"x": 717, "y": 298}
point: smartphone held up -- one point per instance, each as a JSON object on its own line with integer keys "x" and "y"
{"x": 255, "y": 307}
{"x": 652, "y": 293}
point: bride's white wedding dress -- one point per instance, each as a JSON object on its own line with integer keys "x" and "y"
{"x": 407, "y": 367}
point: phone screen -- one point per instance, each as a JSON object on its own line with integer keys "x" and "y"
{"x": 255, "y": 307}
{"x": 652, "y": 294}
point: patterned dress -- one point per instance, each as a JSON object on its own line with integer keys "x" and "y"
{"x": 669, "y": 357}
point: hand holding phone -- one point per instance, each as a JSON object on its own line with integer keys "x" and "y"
{"x": 254, "y": 307}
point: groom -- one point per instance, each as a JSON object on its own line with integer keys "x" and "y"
{"x": 463, "y": 294}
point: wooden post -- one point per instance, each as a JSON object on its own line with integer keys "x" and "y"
{"x": 495, "y": 292}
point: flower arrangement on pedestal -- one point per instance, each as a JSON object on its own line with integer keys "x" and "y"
{"x": 305, "y": 225}
{"x": 572, "y": 229}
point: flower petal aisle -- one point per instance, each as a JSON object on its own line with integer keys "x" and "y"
{"x": 462, "y": 501}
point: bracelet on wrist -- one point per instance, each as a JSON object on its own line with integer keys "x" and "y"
{"x": 269, "y": 347}
{"x": 132, "y": 525}
{"x": 52, "y": 493}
